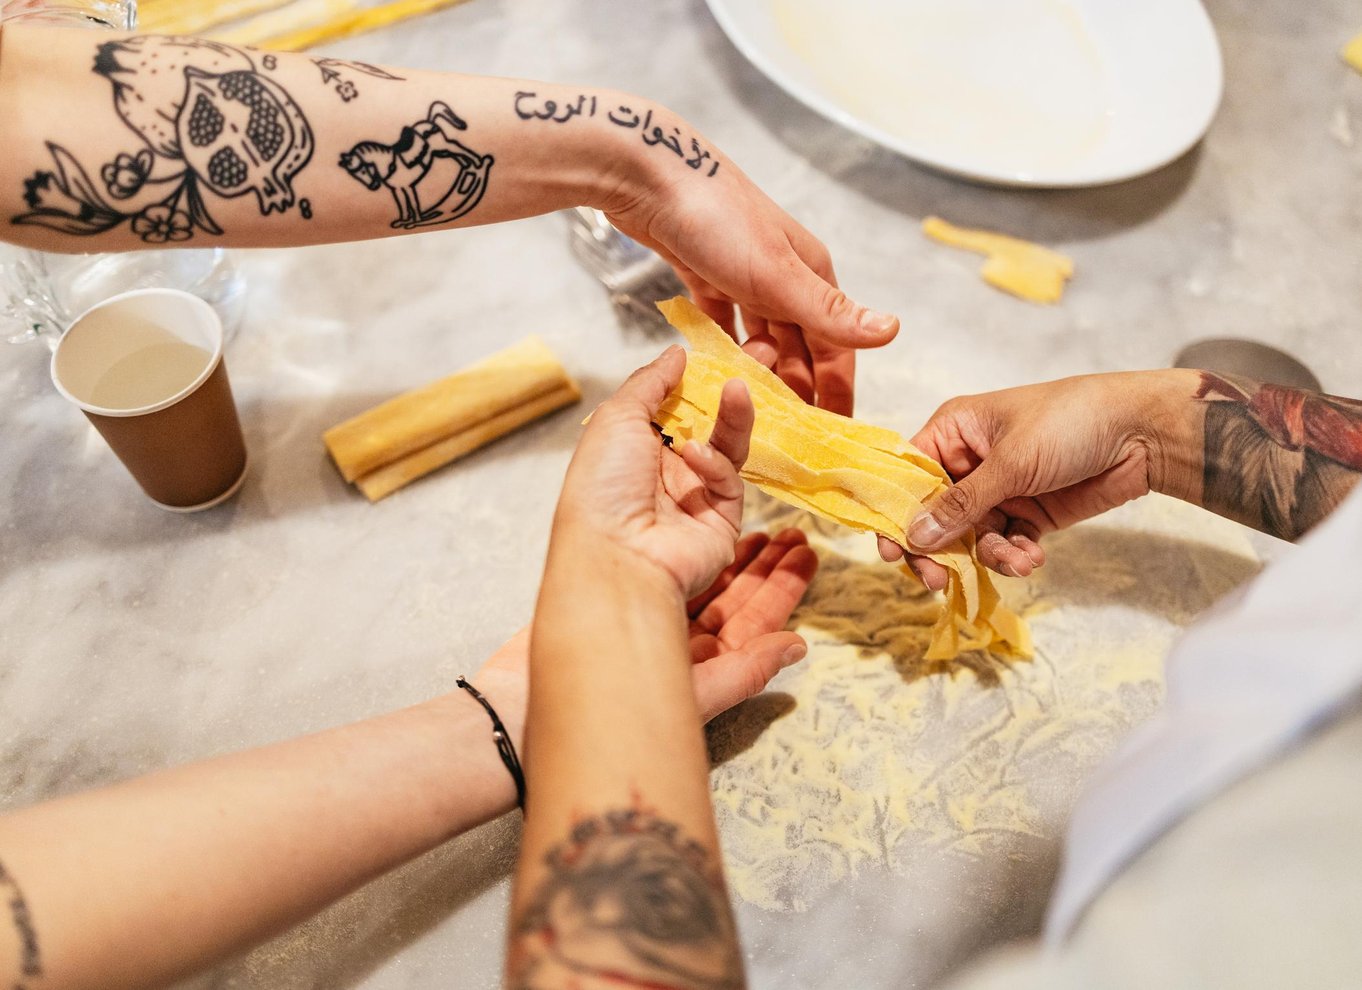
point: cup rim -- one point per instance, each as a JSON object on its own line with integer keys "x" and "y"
{"x": 214, "y": 359}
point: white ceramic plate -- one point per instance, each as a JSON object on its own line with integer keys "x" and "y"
{"x": 1018, "y": 92}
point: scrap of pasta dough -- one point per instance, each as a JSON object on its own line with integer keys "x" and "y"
{"x": 860, "y": 475}
{"x": 1026, "y": 270}
{"x": 1352, "y": 53}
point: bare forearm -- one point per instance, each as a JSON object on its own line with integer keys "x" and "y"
{"x": 230, "y": 851}
{"x": 619, "y": 882}
{"x": 1274, "y": 458}
{"x": 115, "y": 143}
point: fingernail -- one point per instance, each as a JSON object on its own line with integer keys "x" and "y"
{"x": 793, "y": 654}
{"x": 925, "y": 531}
{"x": 877, "y": 323}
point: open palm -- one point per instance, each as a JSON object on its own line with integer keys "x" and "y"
{"x": 738, "y": 640}
{"x": 682, "y": 511}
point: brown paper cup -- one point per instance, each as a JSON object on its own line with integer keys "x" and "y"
{"x": 146, "y": 368}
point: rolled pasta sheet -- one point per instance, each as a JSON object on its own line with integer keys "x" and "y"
{"x": 409, "y": 436}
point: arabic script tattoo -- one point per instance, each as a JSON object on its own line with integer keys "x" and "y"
{"x": 1278, "y": 459}
{"x": 628, "y": 902}
{"x": 425, "y": 164}
{"x": 528, "y": 106}
{"x": 30, "y": 960}
{"x": 206, "y": 119}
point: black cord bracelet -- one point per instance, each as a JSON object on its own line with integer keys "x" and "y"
{"x": 505, "y": 748}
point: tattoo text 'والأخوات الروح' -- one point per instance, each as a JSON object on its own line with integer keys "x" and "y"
{"x": 433, "y": 176}
{"x": 207, "y": 118}
{"x": 21, "y": 920}
{"x": 529, "y": 106}
{"x": 627, "y": 898}
{"x": 1275, "y": 458}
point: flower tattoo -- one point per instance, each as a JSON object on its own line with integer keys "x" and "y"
{"x": 66, "y": 200}
{"x": 159, "y": 224}
{"x": 126, "y": 174}
{"x": 207, "y": 119}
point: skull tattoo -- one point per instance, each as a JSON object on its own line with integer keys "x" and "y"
{"x": 240, "y": 132}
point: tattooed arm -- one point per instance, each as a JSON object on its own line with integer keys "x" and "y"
{"x": 1031, "y": 460}
{"x": 151, "y": 140}
{"x": 143, "y": 882}
{"x": 1275, "y": 458}
{"x": 619, "y": 881}
{"x": 228, "y": 852}
{"x": 116, "y": 143}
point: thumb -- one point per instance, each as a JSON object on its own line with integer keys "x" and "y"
{"x": 949, "y": 515}
{"x": 826, "y": 312}
{"x": 743, "y": 673}
{"x": 650, "y": 385}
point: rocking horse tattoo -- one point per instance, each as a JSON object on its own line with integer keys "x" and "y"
{"x": 207, "y": 119}
{"x": 426, "y": 163}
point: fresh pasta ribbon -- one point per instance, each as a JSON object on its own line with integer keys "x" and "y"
{"x": 863, "y": 476}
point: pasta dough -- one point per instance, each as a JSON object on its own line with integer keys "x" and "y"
{"x": 1352, "y": 53}
{"x": 413, "y": 434}
{"x": 859, "y": 475}
{"x": 1019, "y": 267}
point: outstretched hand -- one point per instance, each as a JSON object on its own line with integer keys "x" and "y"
{"x": 1028, "y": 461}
{"x": 739, "y": 253}
{"x": 679, "y": 511}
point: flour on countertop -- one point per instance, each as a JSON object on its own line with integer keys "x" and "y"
{"x": 866, "y": 757}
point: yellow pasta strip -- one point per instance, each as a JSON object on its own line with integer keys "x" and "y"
{"x": 178, "y": 17}
{"x": 853, "y": 473}
{"x": 1019, "y": 267}
{"x": 347, "y": 25}
{"x": 297, "y": 15}
{"x": 1352, "y": 53}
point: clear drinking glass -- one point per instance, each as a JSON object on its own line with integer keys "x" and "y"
{"x": 41, "y": 294}
{"x": 117, "y": 15}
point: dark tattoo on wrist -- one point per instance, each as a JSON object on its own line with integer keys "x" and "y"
{"x": 333, "y": 74}
{"x": 630, "y": 902}
{"x": 1278, "y": 459}
{"x": 207, "y": 119}
{"x": 30, "y": 960}
{"x": 528, "y": 106}
{"x": 434, "y": 178}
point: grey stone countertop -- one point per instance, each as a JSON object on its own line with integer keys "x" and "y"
{"x": 131, "y": 639}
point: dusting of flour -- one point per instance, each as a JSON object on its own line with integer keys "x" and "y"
{"x": 866, "y": 757}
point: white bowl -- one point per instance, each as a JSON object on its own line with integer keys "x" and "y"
{"x": 1017, "y": 92}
